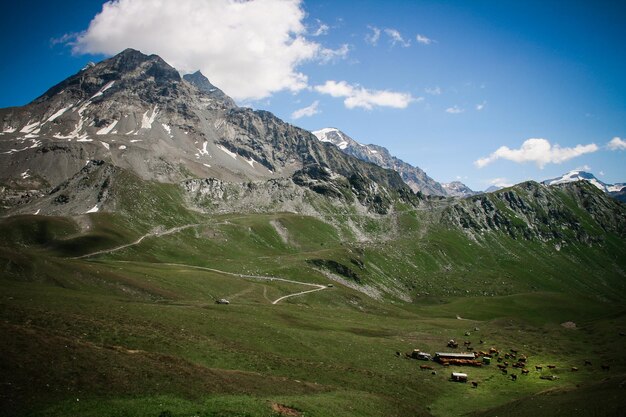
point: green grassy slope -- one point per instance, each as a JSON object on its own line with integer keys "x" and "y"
{"x": 128, "y": 333}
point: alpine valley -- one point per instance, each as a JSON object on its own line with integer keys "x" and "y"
{"x": 133, "y": 199}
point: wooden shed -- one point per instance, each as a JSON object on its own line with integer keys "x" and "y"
{"x": 458, "y": 377}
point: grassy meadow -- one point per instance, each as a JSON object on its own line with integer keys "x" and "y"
{"x": 136, "y": 331}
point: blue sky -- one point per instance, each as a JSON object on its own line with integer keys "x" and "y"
{"x": 457, "y": 88}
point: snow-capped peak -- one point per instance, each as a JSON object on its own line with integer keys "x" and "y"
{"x": 332, "y": 135}
{"x": 578, "y": 175}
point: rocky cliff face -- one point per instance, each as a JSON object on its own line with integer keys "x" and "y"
{"x": 414, "y": 177}
{"x": 136, "y": 113}
{"x": 573, "y": 212}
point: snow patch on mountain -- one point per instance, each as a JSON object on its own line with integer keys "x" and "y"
{"x": 58, "y": 113}
{"x": 146, "y": 122}
{"x": 107, "y": 129}
{"x": 232, "y": 154}
{"x": 103, "y": 89}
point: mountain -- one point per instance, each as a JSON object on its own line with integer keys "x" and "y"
{"x": 414, "y": 177}
{"x": 133, "y": 199}
{"x": 493, "y": 188}
{"x": 458, "y": 189}
{"x": 534, "y": 211}
{"x": 617, "y": 191}
{"x": 203, "y": 84}
{"x": 136, "y": 113}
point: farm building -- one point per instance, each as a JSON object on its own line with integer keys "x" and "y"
{"x": 454, "y": 355}
{"x": 458, "y": 377}
{"x": 461, "y": 359}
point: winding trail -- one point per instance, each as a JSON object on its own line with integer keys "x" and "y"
{"x": 318, "y": 287}
{"x": 138, "y": 241}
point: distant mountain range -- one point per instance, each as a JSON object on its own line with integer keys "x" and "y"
{"x": 413, "y": 176}
{"x": 458, "y": 189}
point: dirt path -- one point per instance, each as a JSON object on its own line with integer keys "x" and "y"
{"x": 138, "y": 241}
{"x": 318, "y": 287}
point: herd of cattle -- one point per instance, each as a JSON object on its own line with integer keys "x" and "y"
{"x": 506, "y": 362}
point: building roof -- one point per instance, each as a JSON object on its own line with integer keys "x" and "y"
{"x": 459, "y": 375}
{"x": 454, "y": 355}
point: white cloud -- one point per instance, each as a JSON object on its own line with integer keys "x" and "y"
{"x": 602, "y": 173}
{"x": 539, "y": 151}
{"x": 372, "y": 38}
{"x": 322, "y": 29}
{"x": 424, "y": 40}
{"x": 454, "y": 110}
{"x": 250, "y": 49}
{"x": 583, "y": 168}
{"x": 617, "y": 144}
{"x": 357, "y": 96}
{"x": 330, "y": 55}
{"x": 306, "y": 111}
{"x": 396, "y": 38}
{"x": 481, "y": 106}
{"x": 434, "y": 91}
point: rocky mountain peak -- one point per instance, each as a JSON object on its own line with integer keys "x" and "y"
{"x": 202, "y": 83}
{"x": 130, "y": 68}
{"x": 413, "y": 176}
{"x": 458, "y": 189}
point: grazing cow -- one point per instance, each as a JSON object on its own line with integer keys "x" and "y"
{"x": 574, "y": 369}
{"x": 398, "y": 354}
{"x": 514, "y": 377}
{"x": 538, "y": 368}
{"x": 523, "y": 358}
{"x": 467, "y": 343}
{"x": 500, "y": 366}
{"x": 605, "y": 367}
{"x": 506, "y": 363}
{"x": 434, "y": 373}
{"x": 507, "y": 356}
{"x": 504, "y": 371}
{"x": 426, "y": 367}
{"x": 514, "y": 351}
{"x": 587, "y": 362}
{"x": 469, "y": 348}
{"x": 474, "y": 384}
{"x": 551, "y": 366}
{"x": 525, "y": 371}
{"x": 499, "y": 359}
{"x": 481, "y": 341}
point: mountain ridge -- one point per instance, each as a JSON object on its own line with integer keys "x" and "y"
{"x": 413, "y": 176}
{"x": 135, "y": 112}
